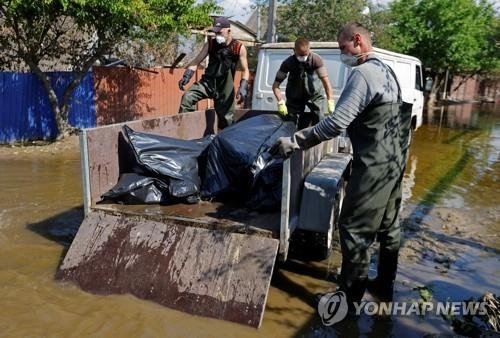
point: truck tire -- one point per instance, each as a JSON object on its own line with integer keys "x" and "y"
{"x": 317, "y": 246}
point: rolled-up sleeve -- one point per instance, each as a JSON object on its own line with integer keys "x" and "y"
{"x": 282, "y": 72}
{"x": 318, "y": 65}
{"x": 354, "y": 99}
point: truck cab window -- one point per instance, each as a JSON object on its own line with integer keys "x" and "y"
{"x": 418, "y": 78}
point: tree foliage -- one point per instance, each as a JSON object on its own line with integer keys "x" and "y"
{"x": 73, "y": 34}
{"x": 318, "y": 20}
{"x": 460, "y": 36}
{"x": 322, "y": 20}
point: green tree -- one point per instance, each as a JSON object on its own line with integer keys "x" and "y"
{"x": 379, "y": 20}
{"x": 321, "y": 20}
{"x": 43, "y": 33}
{"x": 459, "y": 36}
{"x": 318, "y": 20}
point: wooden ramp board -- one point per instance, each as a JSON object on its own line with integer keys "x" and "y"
{"x": 204, "y": 214}
{"x": 205, "y": 272}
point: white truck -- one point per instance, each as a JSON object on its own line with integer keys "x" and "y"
{"x": 408, "y": 69}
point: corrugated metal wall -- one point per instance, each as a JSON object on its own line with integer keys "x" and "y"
{"x": 25, "y": 111}
{"x": 105, "y": 96}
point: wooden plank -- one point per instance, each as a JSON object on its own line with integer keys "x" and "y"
{"x": 204, "y": 272}
{"x": 285, "y": 212}
{"x": 84, "y": 162}
{"x": 205, "y": 214}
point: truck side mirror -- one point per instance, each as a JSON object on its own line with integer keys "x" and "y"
{"x": 428, "y": 84}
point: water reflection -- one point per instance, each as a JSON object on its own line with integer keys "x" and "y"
{"x": 458, "y": 116}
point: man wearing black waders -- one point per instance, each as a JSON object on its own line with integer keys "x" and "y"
{"x": 371, "y": 110}
{"x": 217, "y": 82}
{"x": 307, "y": 85}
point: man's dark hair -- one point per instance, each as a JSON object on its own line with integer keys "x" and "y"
{"x": 301, "y": 43}
{"x": 352, "y": 28}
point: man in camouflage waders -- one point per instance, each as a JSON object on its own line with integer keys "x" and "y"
{"x": 307, "y": 77}
{"x": 217, "y": 82}
{"x": 370, "y": 108}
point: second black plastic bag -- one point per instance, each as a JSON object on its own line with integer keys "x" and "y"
{"x": 239, "y": 165}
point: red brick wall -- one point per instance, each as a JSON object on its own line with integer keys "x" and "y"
{"x": 466, "y": 91}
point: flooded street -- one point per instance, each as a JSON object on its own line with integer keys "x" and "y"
{"x": 451, "y": 222}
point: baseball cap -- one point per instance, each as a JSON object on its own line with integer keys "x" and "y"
{"x": 219, "y": 23}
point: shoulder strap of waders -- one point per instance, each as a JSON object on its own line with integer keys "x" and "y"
{"x": 400, "y": 96}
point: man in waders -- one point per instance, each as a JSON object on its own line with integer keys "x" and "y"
{"x": 370, "y": 108}
{"x": 217, "y": 82}
{"x": 307, "y": 77}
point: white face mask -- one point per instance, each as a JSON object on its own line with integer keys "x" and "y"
{"x": 351, "y": 60}
{"x": 302, "y": 58}
{"x": 220, "y": 39}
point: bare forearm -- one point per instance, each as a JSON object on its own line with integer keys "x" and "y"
{"x": 244, "y": 63}
{"x": 328, "y": 87}
{"x": 246, "y": 74}
{"x": 277, "y": 91}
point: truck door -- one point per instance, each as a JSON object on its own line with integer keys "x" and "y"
{"x": 269, "y": 63}
{"x": 418, "y": 103}
{"x": 406, "y": 77}
{"x": 337, "y": 71}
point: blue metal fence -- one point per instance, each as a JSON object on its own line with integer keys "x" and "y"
{"x": 25, "y": 111}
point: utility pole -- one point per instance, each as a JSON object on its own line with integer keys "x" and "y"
{"x": 258, "y": 21}
{"x": 271, "y": 29}
{"x": 445, "y": 84}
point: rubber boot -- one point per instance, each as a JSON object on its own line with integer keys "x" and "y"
{"x": 354, "y": 290}
{"x": 382, "y": 287}
{"x": 353, "y": 280}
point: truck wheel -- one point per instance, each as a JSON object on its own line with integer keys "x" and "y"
{"x": 317, "y": 246}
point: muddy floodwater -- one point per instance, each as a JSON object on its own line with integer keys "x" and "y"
{"x": 451, "y": 222}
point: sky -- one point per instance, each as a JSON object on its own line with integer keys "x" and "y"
{"x": 237, "y": 9}
{"x": 241, "y": 10}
